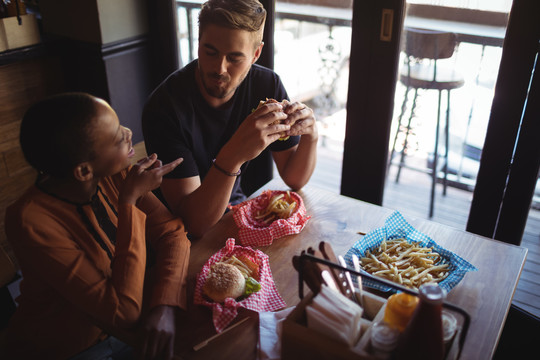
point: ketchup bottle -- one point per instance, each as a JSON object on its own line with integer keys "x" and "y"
{"x": 423, "y": 336}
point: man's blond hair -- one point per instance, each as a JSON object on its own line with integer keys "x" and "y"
{"x": 248, "y": 15}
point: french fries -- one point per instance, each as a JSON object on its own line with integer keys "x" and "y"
{"x": 406, "y": 263}
{"x": 280, "y": 206}
{"x": 247, "y": 267}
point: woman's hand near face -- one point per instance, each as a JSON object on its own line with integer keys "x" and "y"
{"x": 145, "y": 176}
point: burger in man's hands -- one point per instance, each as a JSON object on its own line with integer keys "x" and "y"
{"x": 274, "y": 101}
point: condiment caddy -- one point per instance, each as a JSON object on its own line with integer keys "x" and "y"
{"x": 300, "y": 341}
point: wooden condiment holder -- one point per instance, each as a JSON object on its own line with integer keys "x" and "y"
{"x": 298, "y": 341}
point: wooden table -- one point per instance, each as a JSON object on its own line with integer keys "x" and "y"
{"x": 486, "y": 294}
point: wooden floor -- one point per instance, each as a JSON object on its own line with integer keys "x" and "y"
{"x": 411, "y": 197}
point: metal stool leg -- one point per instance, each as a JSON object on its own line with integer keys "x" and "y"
{"x": 446, "y": 143}
{"x": 407, "y": 132}
{"x": 435, "y": 158}
{"x": 403, "y": 109}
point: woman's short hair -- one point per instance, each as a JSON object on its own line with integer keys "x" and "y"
{"x": 55, "y": 133}
{"x": 248, "y": 15}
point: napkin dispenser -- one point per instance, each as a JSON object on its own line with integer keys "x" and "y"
{"x": 336, "y": 316}
{"x": 299, "y": 341}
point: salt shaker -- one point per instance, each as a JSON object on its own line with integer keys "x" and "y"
{"x": 384, "y": 338}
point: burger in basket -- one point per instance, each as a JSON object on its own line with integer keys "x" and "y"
{"x": 236, "y": 277}
{"x": 232, "y": 277}
{"x": 274, "y": 101}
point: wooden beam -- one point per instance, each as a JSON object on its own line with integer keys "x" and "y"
{"x": 498, "y": 180}
{"x": 370, "y": 102}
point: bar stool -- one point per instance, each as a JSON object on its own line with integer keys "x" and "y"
{"x": 423, "y": 49}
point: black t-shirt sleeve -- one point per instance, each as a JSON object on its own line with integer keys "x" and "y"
{"x": 280, "y": 145}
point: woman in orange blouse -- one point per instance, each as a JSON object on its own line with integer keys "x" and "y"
{"x": 85, "y": 236}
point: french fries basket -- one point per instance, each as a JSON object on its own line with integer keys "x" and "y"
{"x": 269, "y": 216}
{"x": 399, "y": 252}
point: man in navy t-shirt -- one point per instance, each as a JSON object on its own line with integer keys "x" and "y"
{"x": 206, "y": 114}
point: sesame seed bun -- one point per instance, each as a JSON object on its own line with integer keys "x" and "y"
{"x": 224, "y": 281}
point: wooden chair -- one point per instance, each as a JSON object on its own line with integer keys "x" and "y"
{"x": 423, "y": 50}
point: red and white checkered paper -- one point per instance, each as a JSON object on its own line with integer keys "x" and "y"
{"x": 266, "y": 299}
{"x": 253, "y": 232}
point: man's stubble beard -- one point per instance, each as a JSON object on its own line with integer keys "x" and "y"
{"x": 220, "y": 93}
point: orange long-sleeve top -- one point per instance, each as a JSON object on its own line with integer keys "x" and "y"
{"x": 75, "y": 277}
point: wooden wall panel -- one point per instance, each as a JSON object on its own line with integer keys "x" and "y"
{"x": 9, "y": 134}
{"x": 16, "y": 163}
{"x": 3, "y": 167}
{"x": 10, "y": 143}
{"x": 23, "y": 83}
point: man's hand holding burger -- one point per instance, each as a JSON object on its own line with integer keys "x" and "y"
{"x": 301, "y": 119}
{"x": 270, "y": 121}
{"x": 261, "y": 128}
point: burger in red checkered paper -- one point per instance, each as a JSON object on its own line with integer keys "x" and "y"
{"x": 269, "y": 216}
{"x": 235, "y": 277}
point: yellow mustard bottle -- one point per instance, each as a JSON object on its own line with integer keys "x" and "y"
{"x": 399, "y": 310}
